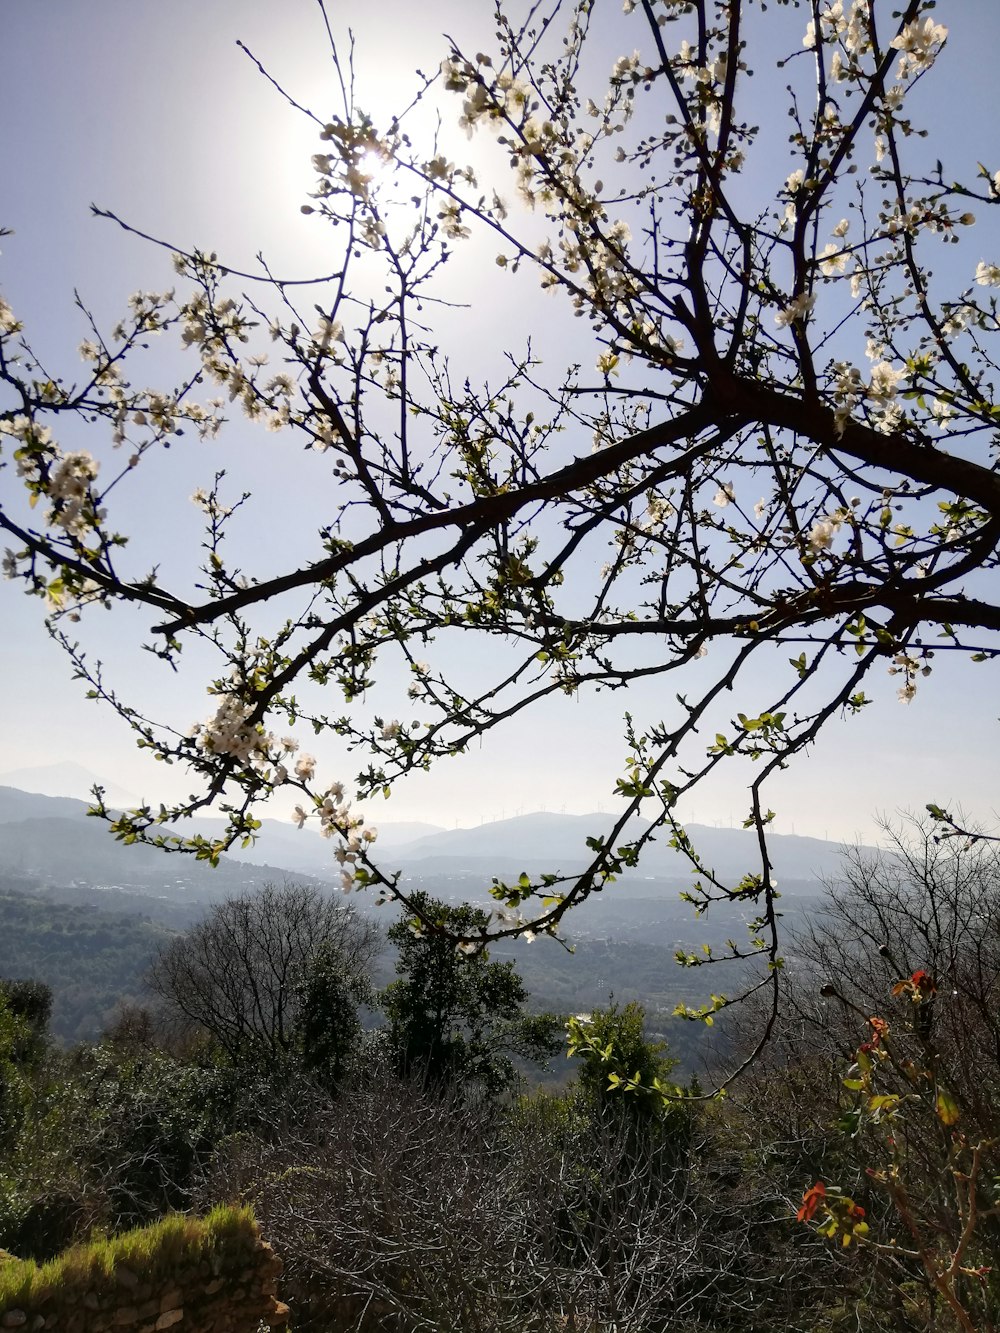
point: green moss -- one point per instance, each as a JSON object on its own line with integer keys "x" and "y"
{"x": 154, "y": 1252}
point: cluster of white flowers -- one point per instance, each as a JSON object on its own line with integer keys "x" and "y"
{"x": 210, "y": 504}
{"x": 607, "y": 281}
{"x": 988, "y": 275}
{"x": 658, "y": 511}
{"x": 922, "y": 214}
{"x": 794, "y": 186}
{"x": 725, "y": 495}
{"x": 850, "y": 30}
{"x": 213, "y": 327}
{"x": 625, "y": 67}
{"x": 328, "y": 332}
{"x": 64, "y": 478}
{"x": 439, "y": 169}
{"x": 360, "y": 155}
{"x": 797, "y": 309}
{"x": 209, "y": 325}
{"x": 918, "y": 43}
{"x": 325, "y": 434}
{"x": 229, "y": 732}
{"x": 35, "y": 443}
{"x": 824, "y": 530}
{"x": 492, "y": 100}
{"x": 69, "y": 487}
{"x": 909, "y": 667}
{"x": 8, "y": 321}
{"x": 147, "y": 311}
{"x": 884, "y": 379}
{"x": 336, "y": 820}
{"x": 958, "y": 318}
{"x": 418, "y": 688}
{"x": 881, "y": 395}
{"x": 942, "y": 412}
{"x": 848, "y": 389}
{"x": 450, "y": 217}
{"x": 90, "y": 351}
{"x": 547, "y": 159}
{"x": 687, "y": 62}
{"x": 506, "y": 916}
{"x": 710, "y": 78}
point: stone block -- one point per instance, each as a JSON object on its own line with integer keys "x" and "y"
{"x": 172, "y": 1299}
{"x": 14, "y": 1319}
{"x": 168, "y": 1318}
{"x": 278, "y": 1316}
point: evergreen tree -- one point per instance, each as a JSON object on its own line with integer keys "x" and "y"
{"x": 456, "y": 1018}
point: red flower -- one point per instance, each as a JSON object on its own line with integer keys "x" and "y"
{"x": 920, "y": 987}
{"x": 924, "y": 982}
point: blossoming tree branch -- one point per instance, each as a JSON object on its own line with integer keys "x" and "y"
{"x": 780, "y": 448}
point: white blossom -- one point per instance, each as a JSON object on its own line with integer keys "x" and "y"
{"x": 942, "y": 412}
{"x": 883, "y": 383}
{"x": 797, "y": 309}
{"x": 8, "y": 322}
{"x": 824, "y": 530}
{"x": 329, "y": 331}
{"x": 918, "y": 42}
{"x": 833, "y": 260}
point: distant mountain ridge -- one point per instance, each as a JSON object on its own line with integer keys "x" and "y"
{"x": 557, "y": 842}
{"x": 52, "y": 836}
{"x": 280, "y": 843}
{"x": 67, "y": 779}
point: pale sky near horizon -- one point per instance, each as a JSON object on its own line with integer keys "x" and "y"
{"x": 151, "y": 110}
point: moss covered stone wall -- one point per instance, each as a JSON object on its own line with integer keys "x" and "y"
{"x": 196, "y": 1275}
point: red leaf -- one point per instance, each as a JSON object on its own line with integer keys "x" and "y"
{"x": 811, "y": 1200}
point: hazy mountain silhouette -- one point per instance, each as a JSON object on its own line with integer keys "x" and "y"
{"x": 52, "y": 837}
{"x": 556, "y": 842}
{"x": 67, "y": 779}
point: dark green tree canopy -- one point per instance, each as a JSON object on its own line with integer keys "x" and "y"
{"x": 457, "y": 1018}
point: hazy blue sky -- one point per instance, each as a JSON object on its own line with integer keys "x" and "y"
{"x": 151, "y": 109}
